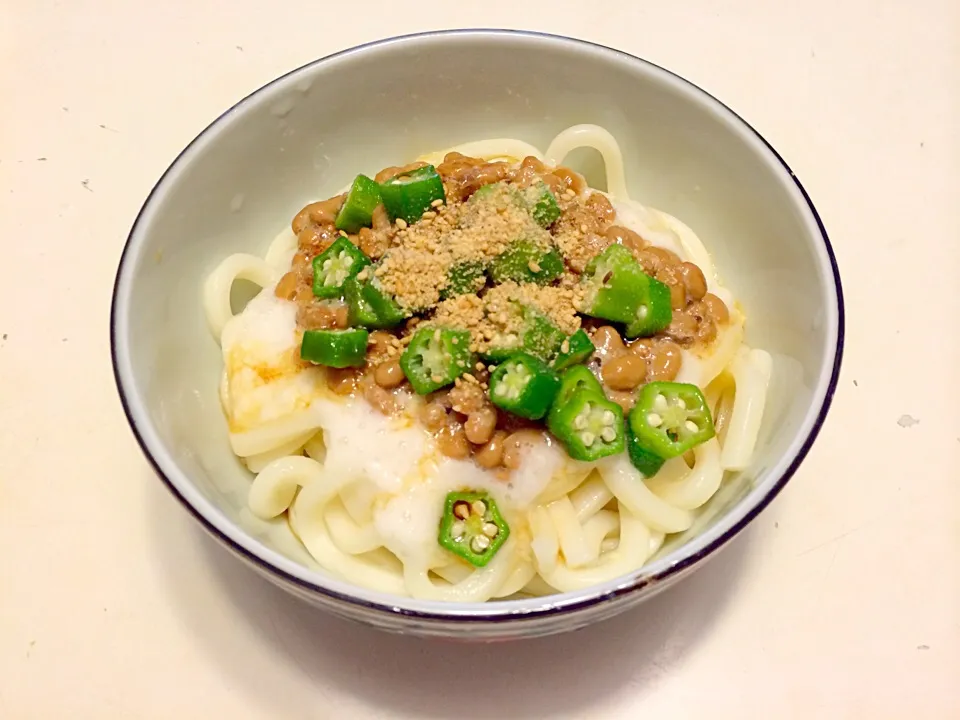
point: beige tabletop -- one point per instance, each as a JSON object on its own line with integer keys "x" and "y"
{"x": 841, "y": 601}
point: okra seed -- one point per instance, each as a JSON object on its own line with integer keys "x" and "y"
{"x": 457, "y": 529}
{"x": 608, "y": 417}
{"x": 580, "y": 421}
{"x": 588, "y": 438}
{"x": 660, "y": 403}
{"x": 479, "y": 507}
{"x": 490, "y": 530}
{"x": 608, "y": 434}
{"x": 691, "y": 426}
{"x": 643, "y": 312}
{"x": 654, "y": 420}
{"x": 681, "y": 404}
{"x": 461, "y": 510}
{"x": 480, "y": 543}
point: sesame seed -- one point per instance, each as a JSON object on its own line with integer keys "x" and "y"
{"x": 480, "y": 543}
{"x": 436, "y": 203}
{"x": 401, "y": 223}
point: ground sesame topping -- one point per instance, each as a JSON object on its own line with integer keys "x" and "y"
{"x": 417, "y": 269}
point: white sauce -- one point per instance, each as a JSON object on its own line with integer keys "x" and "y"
{"x": 408, "y": 522}
{"x": 642, "y": 221}
{"x": 362, "y": 442}
{"x": 265, "y": 381}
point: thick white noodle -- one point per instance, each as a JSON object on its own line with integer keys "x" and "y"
{"x": 517, "y": 580}
{"x": 692, "y": 246}
{"x": 631, "y": 552}
{"x": 216, "y": 290}
{"x": 281, "y": 251}
{"x": 631, "y": 490}
{"x": 597, "y": 137}
{"x": 306, "y": 517}
{"x": 349, "y": 536}
{"x": 479, "y": 586}
{"x": 591, "y": 497}
{"x": 538, "y": 586}
{"x": 598, "y": 528}
{"x": 545, "y": 543}
{"x": 315, "y": 447}
{"x": 453, "y": 572}
{"x": 751, "y": 373}
{"x": 696, "y": 486}
{"x": 724, "y": 349}
{"x": 256, "y": 463}
{"x": 574, "y": 474}
{"x": 274, "y": 487}
{"x": 274, "y": 433}
{"x": 573, "y": 542}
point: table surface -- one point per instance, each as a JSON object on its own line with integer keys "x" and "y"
{"x": 842, "y": 600}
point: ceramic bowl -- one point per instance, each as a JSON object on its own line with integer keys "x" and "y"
{"x": 304, "y": 135}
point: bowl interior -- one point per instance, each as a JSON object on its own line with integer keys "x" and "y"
{"x": 307, "y": 134}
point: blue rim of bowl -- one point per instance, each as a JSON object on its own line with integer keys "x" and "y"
{"x": 571, "y": 606}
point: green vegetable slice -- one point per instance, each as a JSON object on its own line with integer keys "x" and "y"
{"x": 410, "y": 195}
{"x": 588, "y": 425}
{"x": 435, "y": 358}
{"x": 472, "y": 527}
{"x": 357, "y": 210}
{"x": 543, "y": 204}
{"x": 573, "y": 350}
{"x": 335, "y": 265}
{"x": 523, "y": 385}
{"x": 464, "y": 278}
{"x": 335, "y": 348}
{"x": 669, "y": 419}
{"x": 527, "y": 261}
{"x": 617, "y": 289}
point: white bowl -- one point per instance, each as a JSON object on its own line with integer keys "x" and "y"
{"x": 304, "y": 135}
